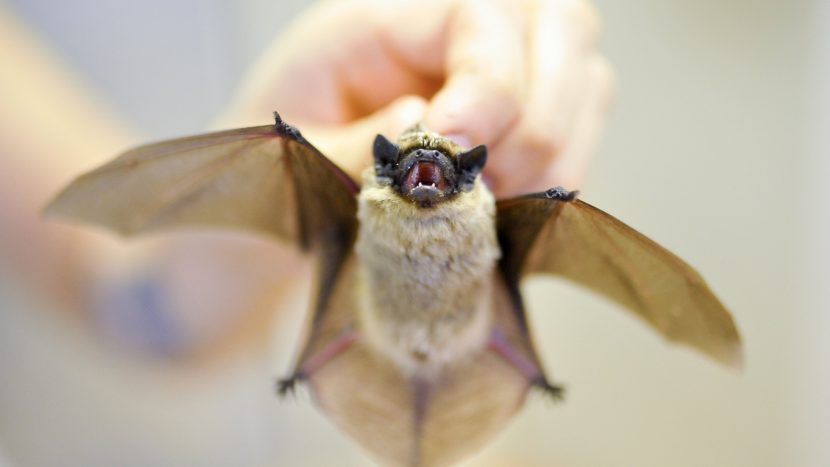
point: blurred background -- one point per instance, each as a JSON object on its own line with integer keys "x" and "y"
{"x": 716, "y": 147}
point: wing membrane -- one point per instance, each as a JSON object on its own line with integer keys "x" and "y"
{"x": 268, "y": 179}
{"x": 575, "y": 240}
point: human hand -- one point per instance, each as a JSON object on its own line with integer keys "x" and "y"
{"x": 524, "y": 78}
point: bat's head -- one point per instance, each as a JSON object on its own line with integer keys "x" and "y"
{"x": 426, "y": 168}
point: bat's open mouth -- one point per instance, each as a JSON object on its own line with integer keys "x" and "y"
{"x": 424, "y": 173}
{"x": 427, "y": 174}
{"x": 424, "y": 183}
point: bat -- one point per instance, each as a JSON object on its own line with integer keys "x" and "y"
{"x": 418, "y": 344}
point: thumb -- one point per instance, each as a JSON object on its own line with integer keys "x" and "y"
{"x": 350, "y": 145}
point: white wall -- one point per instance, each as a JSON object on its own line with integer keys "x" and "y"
{"x": 811, "y": 386}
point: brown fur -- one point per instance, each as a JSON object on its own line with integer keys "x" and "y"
{"x": 429, "y": 270}
{"x": 418, "y": 136}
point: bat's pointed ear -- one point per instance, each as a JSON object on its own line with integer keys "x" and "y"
{"x": 470, "y": 164}
{"x": 385, "y": 151}
{"x": 386, "y": 155}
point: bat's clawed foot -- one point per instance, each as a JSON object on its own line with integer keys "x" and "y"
{"x": 286, "y": 386}
{"x": 554, "y": 391}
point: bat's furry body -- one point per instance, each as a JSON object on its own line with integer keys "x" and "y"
{"x": 427, "y": 274}
{"x": 418, "y": 347}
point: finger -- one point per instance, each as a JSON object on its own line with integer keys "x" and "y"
{"x": 350, "y": 146}
{"x": 520, "y": 156}
{"x": 533, "y": 157}
{"x": 564, "y": 33}
{"x": 569, "y": 167}
{"x": 562, "y": 41}
{"x": 485, "y": 70}
{"x": 342, "y": 61}
{"x": 415, "y": 33}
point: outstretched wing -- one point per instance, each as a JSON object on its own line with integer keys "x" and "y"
{"x": 267, "y": 179}
{"x": 554, "y": 233}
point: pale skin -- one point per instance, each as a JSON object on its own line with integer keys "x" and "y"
{"x": 523, "y": 77}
